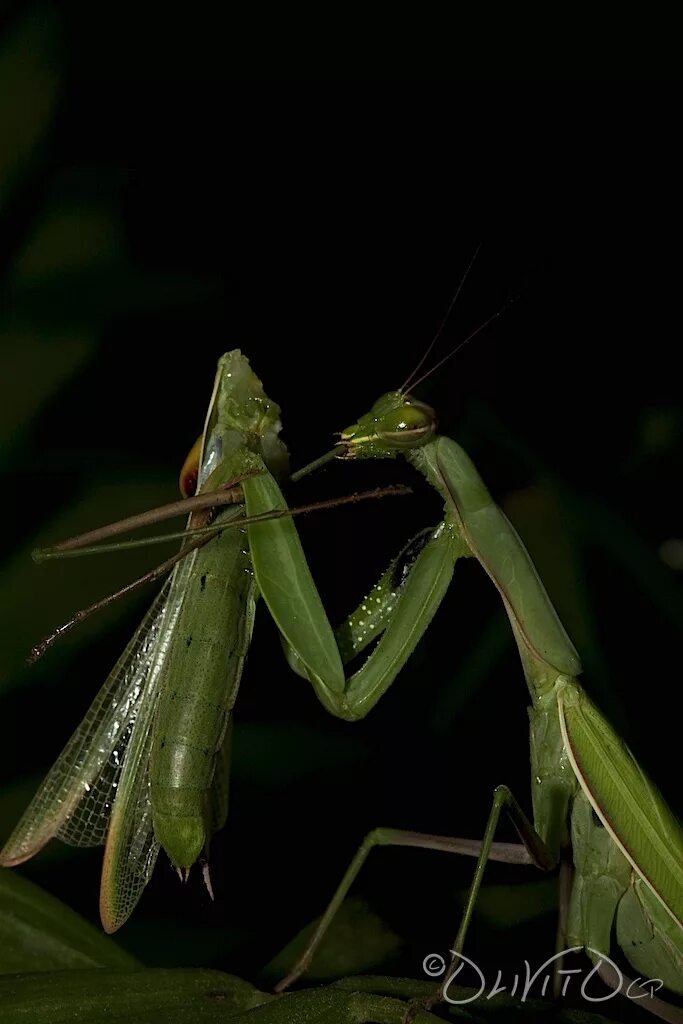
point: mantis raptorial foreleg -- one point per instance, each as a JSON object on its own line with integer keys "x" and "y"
{"x": 588, "y": 792}
{"x": 405, "y": 603}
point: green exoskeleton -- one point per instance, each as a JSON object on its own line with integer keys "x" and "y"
{"x": 591, "y": 801}
{"x": 147, "y": 767}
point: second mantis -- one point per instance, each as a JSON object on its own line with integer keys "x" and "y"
{"x": 578, "y": 761}
{"x": 596, "y": 815}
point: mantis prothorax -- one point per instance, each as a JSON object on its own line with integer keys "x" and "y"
{"x": 592, "y": 803}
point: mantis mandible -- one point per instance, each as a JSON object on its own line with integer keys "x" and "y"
{"x": 591, "y": 800}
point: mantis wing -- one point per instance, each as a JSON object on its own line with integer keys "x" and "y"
{"x": 626, "y": 801}
{"x": 75, "y": 799}
{"x": 132, "y": 847}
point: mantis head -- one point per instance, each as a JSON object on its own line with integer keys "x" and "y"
{"x": 396, "y": 422}
{"x": 240, "y": 415}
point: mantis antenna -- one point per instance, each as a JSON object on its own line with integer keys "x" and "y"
{"x": 503, "y": 309}
{"x": 439, "y": 331}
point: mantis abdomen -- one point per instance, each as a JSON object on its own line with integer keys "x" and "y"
{"x": 207, "y": 654}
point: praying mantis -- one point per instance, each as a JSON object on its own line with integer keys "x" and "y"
{"x": 147, "y": 767}
{"x": 591, "y": 800}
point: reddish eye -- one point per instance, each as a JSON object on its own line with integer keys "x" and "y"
{"x": 189, "y": 474}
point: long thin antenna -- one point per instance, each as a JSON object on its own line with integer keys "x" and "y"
{"x": 84, "y": 613}
{"x": 228, "y": 494}
{"x": 197, "y": 539}
{"x": 461, "y": 345}
{"x": 238, "y": 520}
{"x": 406, "y": 384}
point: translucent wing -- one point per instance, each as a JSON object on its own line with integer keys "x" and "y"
{"x": 132, "y": 848}
{"x": 74, "y": 801}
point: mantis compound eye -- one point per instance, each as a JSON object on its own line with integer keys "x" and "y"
{"x": 189, "y": 474}
{"x": 408, "y": 426}
{"x": 395, "y": 422}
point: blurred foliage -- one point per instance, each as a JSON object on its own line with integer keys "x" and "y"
{"x": 148, "y": 221}
{"x": 38, "y": 933}
{"x": 29, "y": 88}
{"x": 356, "y": 941}
{"x": 54, "y": 986}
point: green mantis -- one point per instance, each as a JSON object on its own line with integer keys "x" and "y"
{"x": 147, "y": 767}
{"x": 589, "y": 795}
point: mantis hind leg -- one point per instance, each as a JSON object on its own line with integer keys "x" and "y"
{"x": 507, "y": 853}
{"x": 539, "y": 853}
{"x": 536, "y": 852}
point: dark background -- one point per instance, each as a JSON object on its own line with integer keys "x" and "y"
{"x": 156, "y": 212}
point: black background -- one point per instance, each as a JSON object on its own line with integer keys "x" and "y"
{"x": 322, "y": 228}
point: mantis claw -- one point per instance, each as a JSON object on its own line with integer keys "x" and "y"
{"x": 207, "y": 880}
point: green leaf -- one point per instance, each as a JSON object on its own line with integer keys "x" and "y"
{"x": 356, "y": 941}
{"x": 38, "y": 367}
{"x": 29, "y": 79}
{"x": 39, "y": 933}
{"x": 72, "y": 237}
{"x": 335, "y": 1006}
{"x": 155, "y": 996}
{"x": 499, "y": 1009}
